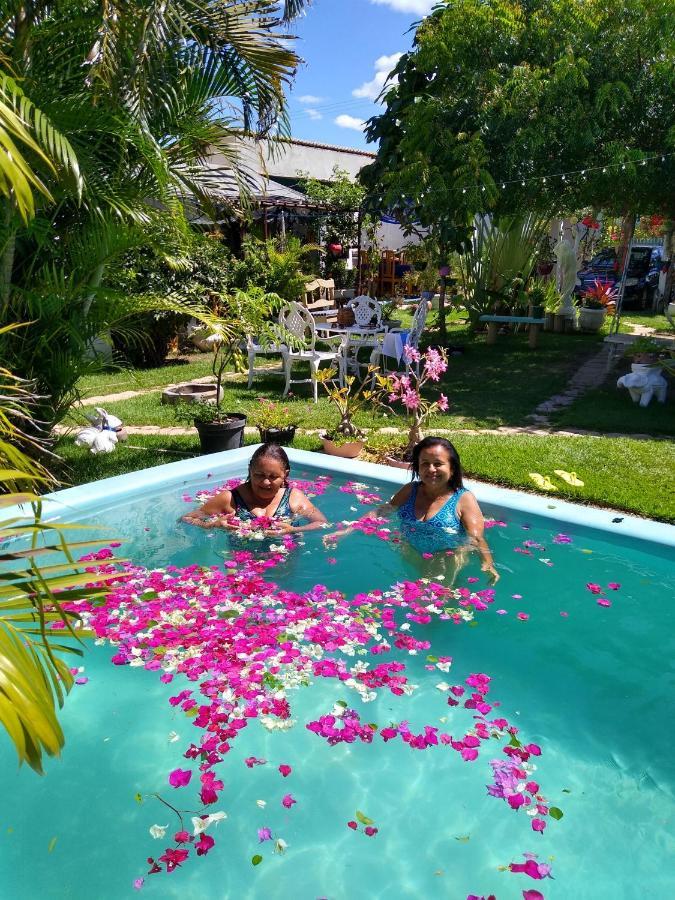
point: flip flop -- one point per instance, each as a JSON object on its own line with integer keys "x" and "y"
{"x": 543, "y": 482}
{"x": 569, "y": 477}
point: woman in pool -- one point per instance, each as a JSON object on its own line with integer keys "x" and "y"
{"x": 266, "y": 492}
{"x": 436, "y": 512}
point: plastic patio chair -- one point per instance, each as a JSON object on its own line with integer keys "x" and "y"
{"x": 299, "y": 323}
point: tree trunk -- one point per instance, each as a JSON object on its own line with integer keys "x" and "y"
{"x": 6, "y": 258}
{"x": 441, "y": 311}
{"x": 414, "y": 437}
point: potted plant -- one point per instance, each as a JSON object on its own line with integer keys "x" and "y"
{"x": 276, "y": 423}
{"x": 595, "y": 304}
{"x": 346, "y": 439}
{"x": 236, "y": 316}
{"x": 407, "y": 390}
{"x": 643, "y": 352}
{"x": 536, "y": 296}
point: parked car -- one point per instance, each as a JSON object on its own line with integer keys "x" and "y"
{"x": 642, "y": 276}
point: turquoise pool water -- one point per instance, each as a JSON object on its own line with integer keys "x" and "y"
{"x": 591, "y": 684}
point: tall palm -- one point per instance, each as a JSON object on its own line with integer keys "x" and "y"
{"x": 136, "y": 95}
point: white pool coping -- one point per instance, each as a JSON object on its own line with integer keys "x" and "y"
{"x": 112, "y": 491}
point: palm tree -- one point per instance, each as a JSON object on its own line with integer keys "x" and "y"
{"x": 126, "y": 101}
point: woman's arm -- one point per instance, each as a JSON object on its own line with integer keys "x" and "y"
{"x": 212, "y": 513}
{"x": 384, "y": 509}
{"x": 471, "y": 518}
{"x": 301, "y": 505}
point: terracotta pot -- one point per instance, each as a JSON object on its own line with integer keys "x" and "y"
{"x": 396, "y": 463}
{"x": 350, "y": 450}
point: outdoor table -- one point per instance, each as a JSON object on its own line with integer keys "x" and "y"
{"x": 495, "y": 321}
{"x": 354, "y": 337}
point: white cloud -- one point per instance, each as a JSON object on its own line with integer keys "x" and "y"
{"x": 345, "y": 121}
{"x": 421, "y": 7}
{"x": 314, "y": 114}
{"x": 310, "y": 99}
{"x": 383, "y": 66}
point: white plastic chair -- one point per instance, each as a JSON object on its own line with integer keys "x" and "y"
{"x": 414, "y": 335}
{"x": 254, "y": 349}
{"x": 368, "y": 316}
{"x": 299, "y": 322}
{"x": 367, "y": 311}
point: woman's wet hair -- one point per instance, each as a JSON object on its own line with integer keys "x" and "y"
{"x": 274, "y": 451}
{"x": 427, "y": 443}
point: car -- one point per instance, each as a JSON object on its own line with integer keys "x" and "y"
{"x": 642, "y": 276}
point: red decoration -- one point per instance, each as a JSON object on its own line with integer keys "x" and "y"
{"x": 335, "y": 249}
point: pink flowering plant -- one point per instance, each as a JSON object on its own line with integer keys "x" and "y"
{"x": 407, "y": 390}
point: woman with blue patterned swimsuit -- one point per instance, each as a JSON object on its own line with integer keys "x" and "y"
{"x": 436, "y": 511}
{"x": 265, "y": 493}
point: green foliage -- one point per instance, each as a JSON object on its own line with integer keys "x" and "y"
{"x": 34, "y": 679}
{"x": 116, "y": 110}
{"x": 498, "y": 261}
{"x": 342, "y": 197}
{"x": 497, "y": 91}
{"x": 272, "y": 268}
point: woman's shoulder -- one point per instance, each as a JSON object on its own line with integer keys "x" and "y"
{"x": 403, "y": 494}
{"x": 297, "y": 499}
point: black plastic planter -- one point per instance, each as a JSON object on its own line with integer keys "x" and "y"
{"x": 217, "y": 436}
{"x": 281, "y": 436}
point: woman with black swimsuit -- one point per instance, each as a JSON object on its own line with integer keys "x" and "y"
{"x": 266, "y": 492}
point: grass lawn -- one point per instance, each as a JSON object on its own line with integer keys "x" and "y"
{"x": 625, "y": 474}
{"x": 487, "y": 386}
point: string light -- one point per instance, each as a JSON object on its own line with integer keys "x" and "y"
{"x": 544, "y": 179}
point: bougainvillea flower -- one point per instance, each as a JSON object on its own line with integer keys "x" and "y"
{"x": 288, "y": 801}
{"x": 158, "y": 831}
{"x": 523, "y": 616}
{"x": 264, "y": 834}
{"x": 370, "y": 830}
{"x": 603, "y": 601}
{"x": 204, "y": 844}
{"x": 353, "y": 825}
{"x": 533, "y": 895}
{"x": 285, "y": 770}
{"x": 538, "y": 825}
{"x": 594, "y": 588}
{"x": 182, "y": 837}
{"x": 173, "y": 857}
{"x": 532, "y": 868}
{"x": 138, "y": 883}
{"x": 614, "y": 585}
{"x": 180, "y": 777}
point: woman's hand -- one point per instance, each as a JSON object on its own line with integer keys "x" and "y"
{"x": 330, "y": 540}
{"x": 280, "y": 528}
{"x": 493, "y": 574}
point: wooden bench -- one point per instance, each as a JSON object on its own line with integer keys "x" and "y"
{"x": 495, "y": 321}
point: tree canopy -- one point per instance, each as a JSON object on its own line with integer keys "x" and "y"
{"x": 496, "y": 95}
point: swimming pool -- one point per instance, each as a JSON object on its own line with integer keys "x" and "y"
{"x": 580, "y": 679}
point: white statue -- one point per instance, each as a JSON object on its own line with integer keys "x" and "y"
{"x": 103, "y": 433}
{"x": 566, "y": 273}
{"x": 643, "y": 382}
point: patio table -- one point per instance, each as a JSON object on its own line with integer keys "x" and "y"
{"x": 354, "y": 338}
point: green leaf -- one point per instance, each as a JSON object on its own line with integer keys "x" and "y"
{"x": 463, "y": 838}
{"x": 514, "y": 742}
{"x": 555, "y": 813}
{"x": 363, "y": 819}
{"x": 138, "y": 797}
{"x": 342, "y": 703}
{"x": 256, "y": 860}
{"x": 432, "y": 659}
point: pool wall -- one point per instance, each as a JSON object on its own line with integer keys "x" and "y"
{"x": 112, "y": 491}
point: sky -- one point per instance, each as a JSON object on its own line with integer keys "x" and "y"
{"x": 349, "y": 47}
